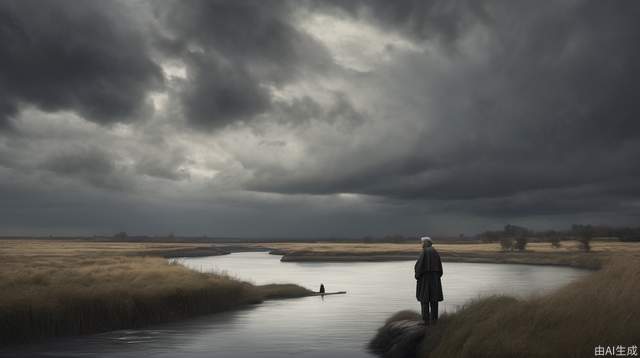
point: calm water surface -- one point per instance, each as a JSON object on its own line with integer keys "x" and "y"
{"x": 333, "y": 326}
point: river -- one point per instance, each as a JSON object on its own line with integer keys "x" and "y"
{"x": 333, "y": 326}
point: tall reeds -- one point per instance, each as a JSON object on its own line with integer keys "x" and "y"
{"x": 55, "y": 296}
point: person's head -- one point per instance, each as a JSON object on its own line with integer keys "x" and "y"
{"x": 426, "y": 241}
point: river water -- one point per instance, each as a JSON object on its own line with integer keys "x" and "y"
{"x": 333, "y": 326}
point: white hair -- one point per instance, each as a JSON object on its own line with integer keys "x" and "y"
{"x": 426, "y": 238}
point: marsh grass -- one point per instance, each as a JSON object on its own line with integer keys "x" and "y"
{"x": 45, "y": 296}
{"x": 601, "y": 309}
{"x": 568, "y": 246}
{"x": 536, "y": 253}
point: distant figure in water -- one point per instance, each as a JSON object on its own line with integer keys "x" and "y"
{"x": 429, "y": 287}
{"x": 322, "y": 288}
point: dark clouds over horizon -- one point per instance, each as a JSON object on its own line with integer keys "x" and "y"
{"x": 316, "y": 118}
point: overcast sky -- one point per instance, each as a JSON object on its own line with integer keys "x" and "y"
{"x": 317, "y": 118}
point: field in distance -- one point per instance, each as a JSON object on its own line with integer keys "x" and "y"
{"x": 566, "y": 246}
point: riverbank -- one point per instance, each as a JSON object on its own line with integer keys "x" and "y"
{"x": 590, "y": 261}
{"x": 568, "y": 254}
{"x": 603, "y": 309}
{"x": 57, "y": 289}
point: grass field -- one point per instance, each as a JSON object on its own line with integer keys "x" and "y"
{"x": 66, "y": 288}
{"x": 566, "y": 246}
{"x": 60, "y": 248}
{"x": 537, "y": 253}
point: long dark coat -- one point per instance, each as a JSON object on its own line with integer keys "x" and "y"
{"x": 428, "y": 273}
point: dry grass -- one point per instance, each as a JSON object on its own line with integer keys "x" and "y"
{"x": 57, "y": 248}
{"x": 76, "y": 248}
{"x": 567, "y": 246}
{"x": 570, "y": 254}
{"x": 71, "y": 289}
{"x": 376, "y": 248}
{"x": 602, "y": 309}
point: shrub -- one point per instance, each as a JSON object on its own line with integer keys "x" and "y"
{"x": 585, "y": 242}
{"x": 521, "y": 243}
{"x": 506, "y": 243}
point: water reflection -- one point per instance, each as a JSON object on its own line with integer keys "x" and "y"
{"x": 332, "y": 326}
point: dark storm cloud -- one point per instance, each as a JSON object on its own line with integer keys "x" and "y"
{"x": 439, "y": 20}
{"x": 166, "y": 166}
{"x": 548, "y": 101}
{"x": 84, "y": 56}
{"x": 81, "y": 160}
{"x": 458, "y": 115}
{"x": 305, "y": 110}
{"x": 233, "y": 51}
{"x": 221, "y": 94}
{"x": 88, "y": 164}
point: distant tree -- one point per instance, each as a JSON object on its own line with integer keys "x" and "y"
{"x": 585, "y": 242}
{"x": 521, "y": 243}
{"x": 555, "y": 241}
{"x": 506, "y": 243}
{"x": 584, "y": 234}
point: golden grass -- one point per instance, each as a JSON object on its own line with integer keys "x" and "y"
{"x": 26, "y": 247}
{"x": 75, "y": 248}
{"x": 601, "y": 309}
{"x": 537, "y": 253}
{"x": 73, "y": 290}
{"x": 374, "y": 248}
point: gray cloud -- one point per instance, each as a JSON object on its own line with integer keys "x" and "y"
{"x": 164, "y": 166}
{"x": 233, "y": 51}
{"x": 446, "y": 116}
{"x": 88, "y": 164}
{"x": 547, "y": 102}
{"x": 441, "y": 21}
{"x": 219, "y": 95}
{"x": 305, "y": 111}
{"x": 81, "y": 160}
{"x": 88, "y": 57}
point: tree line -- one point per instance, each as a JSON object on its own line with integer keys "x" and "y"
{"x": 515, "y": 238}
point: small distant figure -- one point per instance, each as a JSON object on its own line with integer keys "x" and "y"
{"x": 428, "y": 271}
{"x": 321, "y": 289}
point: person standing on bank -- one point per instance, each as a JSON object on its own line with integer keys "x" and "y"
{"x": 428, "y": 271}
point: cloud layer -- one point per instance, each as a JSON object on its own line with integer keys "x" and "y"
{"x": 317, "y": 118}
